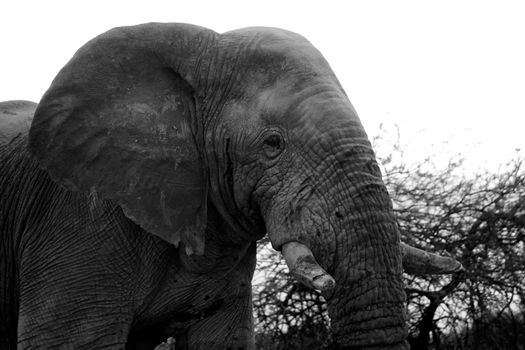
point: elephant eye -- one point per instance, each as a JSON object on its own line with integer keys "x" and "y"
{"x": 273, "y": 145}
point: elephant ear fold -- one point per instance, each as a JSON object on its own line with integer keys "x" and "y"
{"x": 120, "y": 121}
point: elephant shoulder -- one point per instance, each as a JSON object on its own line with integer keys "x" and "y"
{"x": 15, "y": 119}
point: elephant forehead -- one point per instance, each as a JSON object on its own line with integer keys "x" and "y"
{"x": 262, "y": 105}
{"x": 313, "y": 108}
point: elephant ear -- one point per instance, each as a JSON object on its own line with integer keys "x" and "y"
{"x": 121, "y": 119}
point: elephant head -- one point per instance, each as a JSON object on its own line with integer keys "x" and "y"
{"x": 170, "y": 119}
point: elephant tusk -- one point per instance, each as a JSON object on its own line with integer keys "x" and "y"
{"x": 420, "y": 262}
{"x": 305, "y": 268}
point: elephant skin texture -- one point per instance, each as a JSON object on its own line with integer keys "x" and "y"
{"x": 131, "y": 207}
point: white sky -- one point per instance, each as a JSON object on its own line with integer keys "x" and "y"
{"x": 442, "y": 70}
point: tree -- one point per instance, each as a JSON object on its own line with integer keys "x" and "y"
{"x": 479, "y": 219}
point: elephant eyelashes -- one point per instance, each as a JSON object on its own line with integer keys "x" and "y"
{"x": 273, "y": 145}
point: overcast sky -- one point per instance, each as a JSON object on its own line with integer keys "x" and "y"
{"x": 443, "y": 70}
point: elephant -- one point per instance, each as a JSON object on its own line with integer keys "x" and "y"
{"x": 134, "y": 192}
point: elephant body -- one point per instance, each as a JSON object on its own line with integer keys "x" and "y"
{"x": 71, "y": 253}
{"x": 157, "y": 158}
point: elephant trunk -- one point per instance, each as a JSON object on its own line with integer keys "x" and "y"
{"x": 367, "y": 307}
{"x": 366, "y": 293}
{"x": 351, "y": 229}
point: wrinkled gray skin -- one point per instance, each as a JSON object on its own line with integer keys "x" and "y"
{"x": 156, "y": 159}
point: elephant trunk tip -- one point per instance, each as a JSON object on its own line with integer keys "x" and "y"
{"x": 304, "y": 267}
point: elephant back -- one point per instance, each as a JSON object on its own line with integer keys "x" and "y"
{"x": 15, "y": 119}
